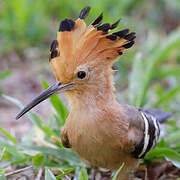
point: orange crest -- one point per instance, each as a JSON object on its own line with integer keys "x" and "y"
{"x": 77, "y": 44}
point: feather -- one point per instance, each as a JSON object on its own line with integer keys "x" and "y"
{"x": 54, "y": 54}
{"x": 77, "y": 43}
{"x": 128, "y": 45}
{"x": 54, "y": 45}
{"x": 66, "y": 25}
{"x": 112, "y": 37}
{"x": 121, "y": 33}
{"x": 113, "y": 26}
{"x": 104, "y": 27}
{"x": 97, "y": 20}
{"x": 130, "y": 36}
{"x": 84, "y": 12}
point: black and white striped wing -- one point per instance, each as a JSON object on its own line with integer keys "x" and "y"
{"x": 151, "y": 135}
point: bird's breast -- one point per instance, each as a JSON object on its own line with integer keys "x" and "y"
{"x": 95, "y": 140}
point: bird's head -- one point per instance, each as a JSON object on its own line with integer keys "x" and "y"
{"x": 82, "y": 56}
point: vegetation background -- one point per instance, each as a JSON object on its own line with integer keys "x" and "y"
{"x": 148, "y": 76}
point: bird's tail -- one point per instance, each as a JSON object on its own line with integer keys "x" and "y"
{"x": 160, "y": 115}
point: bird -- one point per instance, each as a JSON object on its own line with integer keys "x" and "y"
{"x": 102, "y": 131}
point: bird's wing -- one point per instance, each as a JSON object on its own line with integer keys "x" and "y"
{"x": 143, "y": 130}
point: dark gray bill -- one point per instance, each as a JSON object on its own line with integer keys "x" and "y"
{"x": 57, "y": 87}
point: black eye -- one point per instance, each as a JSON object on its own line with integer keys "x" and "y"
{"x": 81, "y": 74}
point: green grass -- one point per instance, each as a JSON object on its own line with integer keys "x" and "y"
{"x": 117, "y": 172}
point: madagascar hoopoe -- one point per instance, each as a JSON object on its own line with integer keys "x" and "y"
{"x": 103, "y": 132}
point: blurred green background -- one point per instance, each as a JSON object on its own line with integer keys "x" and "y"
{"x": 148, "y": 74}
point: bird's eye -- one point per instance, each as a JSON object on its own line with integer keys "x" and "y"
{"x": 81, "y": 74}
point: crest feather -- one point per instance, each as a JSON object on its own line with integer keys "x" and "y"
{"x": 78, "y": 43}
{"x": 84, "y": 12}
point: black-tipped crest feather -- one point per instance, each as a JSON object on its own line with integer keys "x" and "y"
{"x": 114, "y": 25}
{"x": 54, "y": 45}
{"x": 53, "y": 54}
{"x": 104, "y": 27}
{"x": 128, "y": 45}
{"x": 111, "y": 37}
{"x": 66, "y": 25}
{"x": 97, "y": 20}
{"x": 121, "y": 33}
{"x": 84, "y": 12}
{"x": 131, "y": 36}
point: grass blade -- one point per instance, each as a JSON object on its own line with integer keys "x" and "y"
{"x": 65, "y": 173}
{"x": 57, "y": 103}
{"x": 61, "y": 154}
{"x": 136, "y": 80}
{"x": 49, "y": 175}
{"x": 83, "y": 174}
{"x": 2, "y": 153}
{"x": 8, "y": 135}
{"x": 11, "y": 149}
{"x": 117, "y": 172}
{"x": 167, "y": 153}
{"x": 77, "y": 173}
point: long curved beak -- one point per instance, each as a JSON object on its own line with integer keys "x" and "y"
{"x": 54, "y": 89}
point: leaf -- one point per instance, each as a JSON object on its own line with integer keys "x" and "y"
{"x": 2, "y": 153}
{"x": 83, "y": 174}
{"x": 27, "y": 139}
{"x": 65, "y": 173}
{"x": 21, "y": 161}
{"x": 8, "y": 135}
{"x": 12, "y": 149}
{"x": 136, "y": 83}
{"x": 48, "y": 131}
{"x": 57, "y": 103}
{"x": 38, "y": 159}
{"x": 61, "y": 154}
{"x": 49, "y": 175}
{"x": 167, "y": 153}
{"x": 13, "y": 100}
{"x": 117, "y": 172}
{"x": 162, "y": 143}
{"x": 59, "y": 121}
{"x": 77, "y": 173}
